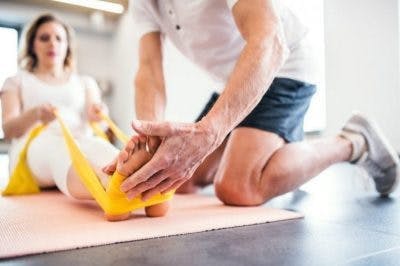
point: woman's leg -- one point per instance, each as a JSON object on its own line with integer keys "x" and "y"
{"x": 50, "y": 162}
{"x": 47, "y": 158}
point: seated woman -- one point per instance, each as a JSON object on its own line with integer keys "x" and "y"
{"x": 46, "y": 81}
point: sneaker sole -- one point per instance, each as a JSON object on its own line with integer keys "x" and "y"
{"x": 395, "y": 184}
{"x": 375, "y": 131}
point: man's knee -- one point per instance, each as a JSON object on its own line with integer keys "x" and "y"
{"x": 232, "y": 190}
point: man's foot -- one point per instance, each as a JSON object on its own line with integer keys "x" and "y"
{"x": 374, "y": 153}
{"x": 135, "y": 154}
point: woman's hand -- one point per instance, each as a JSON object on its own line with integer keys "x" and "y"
{"x": 45, "y": 113}
{"x": 94, "y": 110}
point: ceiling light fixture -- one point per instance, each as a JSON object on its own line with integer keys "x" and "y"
{"x": 96, "y": 4}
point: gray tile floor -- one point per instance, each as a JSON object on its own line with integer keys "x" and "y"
{"x": 345, "y": 224}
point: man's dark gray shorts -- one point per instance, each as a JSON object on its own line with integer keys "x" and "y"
{"x": 281, "y": 110}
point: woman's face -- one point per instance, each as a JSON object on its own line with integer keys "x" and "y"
{"x": 50, "y": 44}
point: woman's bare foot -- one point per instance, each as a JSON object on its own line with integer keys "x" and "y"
{"x": 135, "y": 154}
{"x": 157, "y": 210}
{"x": 117, "y": 217}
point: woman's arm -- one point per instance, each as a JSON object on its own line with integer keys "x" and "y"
{"x": 15, "y": 122}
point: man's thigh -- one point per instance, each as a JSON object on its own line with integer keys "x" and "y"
{"x": 245, "y": 156}
{"x": 244, "y": 153}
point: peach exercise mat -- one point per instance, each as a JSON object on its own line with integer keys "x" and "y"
{"x": 50, "y": 221}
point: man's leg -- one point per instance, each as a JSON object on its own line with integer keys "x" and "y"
{"x": 257, "y": 165}
{"x": 281, "y": 110}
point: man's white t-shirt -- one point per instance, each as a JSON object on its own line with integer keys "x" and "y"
{"x": 205, "y": 32}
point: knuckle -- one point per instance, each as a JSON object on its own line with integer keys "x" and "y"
{"x": 150, "y": 184}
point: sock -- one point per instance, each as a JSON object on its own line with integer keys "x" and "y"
{"x": 358, "y": 143}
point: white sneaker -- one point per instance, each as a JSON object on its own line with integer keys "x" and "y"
{"x": 379, "y": 159}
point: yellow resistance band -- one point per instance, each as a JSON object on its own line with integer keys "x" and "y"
{"x": 21, "y": 180}
{"x": 112, "y": 200}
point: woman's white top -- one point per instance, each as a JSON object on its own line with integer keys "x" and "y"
{"x": 69, "y": 98}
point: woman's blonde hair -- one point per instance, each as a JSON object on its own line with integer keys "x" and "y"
{"x": 27, "y": 58}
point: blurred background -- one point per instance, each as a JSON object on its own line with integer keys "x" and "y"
{"x": 357, "y": 46}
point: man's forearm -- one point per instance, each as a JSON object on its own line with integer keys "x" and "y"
{"x": 150, "y": 102}
{"x": 253, "y": 73}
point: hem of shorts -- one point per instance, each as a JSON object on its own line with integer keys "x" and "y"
{"x": 272, "y": 130}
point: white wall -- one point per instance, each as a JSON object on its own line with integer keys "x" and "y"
{"x": 188, "y": 88}
{"x": 362, "y": 62}
{"x": 311, "y": 13}
{"x": 93, "y": 54}
{"x": 124, "y": 65}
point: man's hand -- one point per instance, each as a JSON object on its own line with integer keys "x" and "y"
{"x": 152, "y": 145}
{"x": 182, "y": 150}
